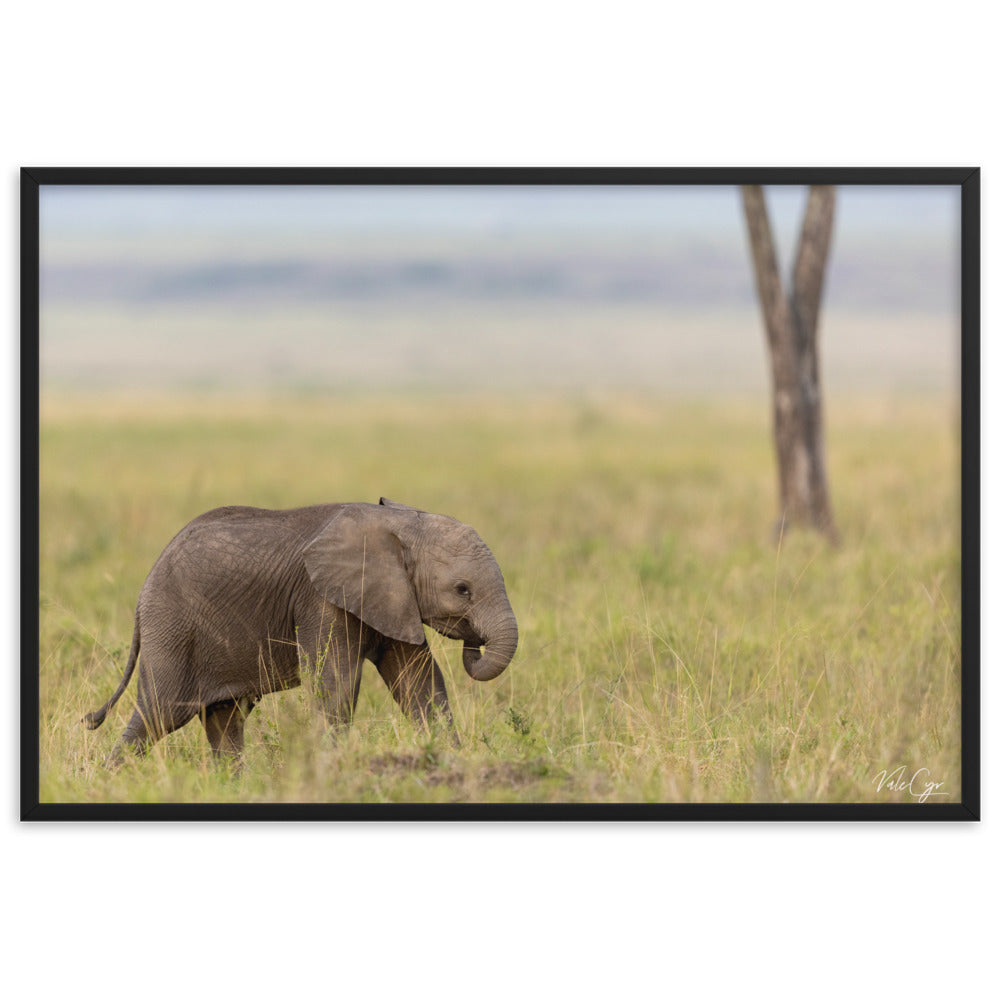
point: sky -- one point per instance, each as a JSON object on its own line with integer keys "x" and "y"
{"x": 112, "y": 210}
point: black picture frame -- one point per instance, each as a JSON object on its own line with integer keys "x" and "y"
{"x": 34, "y": 179}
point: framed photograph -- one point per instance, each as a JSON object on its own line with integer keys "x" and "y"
{"x": 445, "y": 494}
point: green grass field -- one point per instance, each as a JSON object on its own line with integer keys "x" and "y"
{"x": 670, "y": 650}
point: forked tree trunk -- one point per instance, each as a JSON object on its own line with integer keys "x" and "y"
{"x": 791, "y": 323}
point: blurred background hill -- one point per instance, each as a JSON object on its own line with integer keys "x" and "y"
{"x": 538, "y": 288}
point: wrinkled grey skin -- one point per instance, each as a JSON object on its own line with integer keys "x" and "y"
{"x": 241, "y": 595}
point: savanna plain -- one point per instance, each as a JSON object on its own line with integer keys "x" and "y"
{"x": 672, "y": 649}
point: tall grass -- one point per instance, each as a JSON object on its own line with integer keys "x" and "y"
{"x": 670, "y": 649}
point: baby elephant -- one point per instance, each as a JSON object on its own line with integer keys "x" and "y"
{"x": 242, "y": 595}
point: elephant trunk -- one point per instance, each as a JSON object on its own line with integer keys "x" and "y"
{"x": 498, "y": 650}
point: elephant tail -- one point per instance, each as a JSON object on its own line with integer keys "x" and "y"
{"x": 94, "y": 719}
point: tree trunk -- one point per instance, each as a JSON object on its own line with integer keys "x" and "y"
{"x": 791, "y": 325}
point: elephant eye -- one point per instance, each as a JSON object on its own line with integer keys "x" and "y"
{"x": 463, "y": 589}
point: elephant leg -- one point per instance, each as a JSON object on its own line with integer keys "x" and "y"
{"x": 341, "y": 685}
{"x": 332, "y": 648}
{"x": 147, "y": 725}
{"x": 136, "y": 740}
{"x": 416, "y": 682}
{"x": 223, "y": 722}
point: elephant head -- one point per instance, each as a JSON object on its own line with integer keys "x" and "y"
{"x": 397, "y": 568}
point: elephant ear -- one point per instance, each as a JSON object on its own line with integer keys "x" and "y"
{"x": 357, "y": 563}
